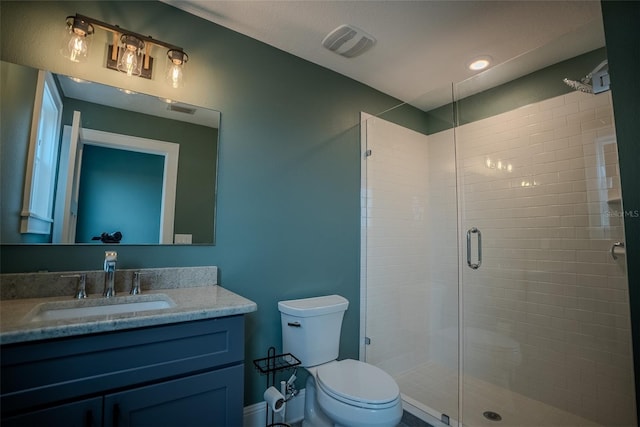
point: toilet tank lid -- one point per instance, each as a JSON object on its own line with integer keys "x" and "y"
{"x": 316, "y": 306}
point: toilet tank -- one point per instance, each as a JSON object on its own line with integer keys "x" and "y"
{"x": 311, "y": 328}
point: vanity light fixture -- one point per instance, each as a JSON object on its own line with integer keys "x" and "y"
{"x": 130, "y": 52}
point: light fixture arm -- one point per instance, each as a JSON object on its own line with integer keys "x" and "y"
{"x": 118, "y": 31}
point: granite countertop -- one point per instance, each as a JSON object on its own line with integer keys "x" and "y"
{"x": 188, "y": 302}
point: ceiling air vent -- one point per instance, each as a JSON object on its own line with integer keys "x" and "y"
{"x": 348, "y": 41}
{"x": 181, "y": 109}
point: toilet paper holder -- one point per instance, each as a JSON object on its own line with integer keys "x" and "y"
{"x": 274, "y": 398}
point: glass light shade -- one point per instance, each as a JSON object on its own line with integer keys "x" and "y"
{"x": 76, "y": 40}
{"x": 130, "y": 55}
{"x": 175, "y": 71}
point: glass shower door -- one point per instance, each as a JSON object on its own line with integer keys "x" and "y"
{"x": 410, "y": 255}
{"x": 546, "y": 337}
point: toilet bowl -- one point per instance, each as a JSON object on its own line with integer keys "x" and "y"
{"x": 354, "y": 393}
{"x": 348, "y": 392}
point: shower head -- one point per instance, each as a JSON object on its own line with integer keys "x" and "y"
{"x": 582, "y": 87}
{"x": 595, "y": 82}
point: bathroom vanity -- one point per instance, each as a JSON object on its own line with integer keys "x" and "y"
{"x": 177, "y": 366}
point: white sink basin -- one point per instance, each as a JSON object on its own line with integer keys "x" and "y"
{"x": 63, "y": 310}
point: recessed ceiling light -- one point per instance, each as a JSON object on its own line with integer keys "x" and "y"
{"x": 480, "y": 63}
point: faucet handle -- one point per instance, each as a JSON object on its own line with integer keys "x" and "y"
{"x": 81, "y": 291}
{"x": 135, "y": 288}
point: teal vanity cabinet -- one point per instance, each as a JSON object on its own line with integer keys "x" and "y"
{"x": 179, "y": 374}
{"x": 84, "y": 413}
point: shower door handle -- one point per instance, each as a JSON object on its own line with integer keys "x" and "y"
{"x": 471, "y": 231}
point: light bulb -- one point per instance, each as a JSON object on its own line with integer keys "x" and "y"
{"x": 75, "y": 45}
{"x": 130, "y": 55}
{"x": 77, "y": 48}
{"x": 175, "y": 76}
{"x": 129, "y": 61}
{"x": 175, "y": 68}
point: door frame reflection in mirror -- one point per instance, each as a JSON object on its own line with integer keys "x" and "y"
{"x": 69, "y": 176}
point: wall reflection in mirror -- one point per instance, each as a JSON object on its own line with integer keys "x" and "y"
{"x": 123, "y": 167}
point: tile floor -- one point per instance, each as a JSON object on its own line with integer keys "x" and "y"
{"x": 436, "y": 386}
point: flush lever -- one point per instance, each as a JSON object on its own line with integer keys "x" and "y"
{"x": 294, "y": 324}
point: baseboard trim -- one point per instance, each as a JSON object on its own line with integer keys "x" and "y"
{"x": 254, "y": 415}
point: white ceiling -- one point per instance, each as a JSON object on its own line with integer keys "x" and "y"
{"x": 422, "y": 45}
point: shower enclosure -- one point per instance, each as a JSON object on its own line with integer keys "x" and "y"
{"x": 494, "y": 282}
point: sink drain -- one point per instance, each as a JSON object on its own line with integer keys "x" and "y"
{"x": 492, "y": 416}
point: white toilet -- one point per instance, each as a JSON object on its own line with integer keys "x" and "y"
{"x": 345, "y": 393}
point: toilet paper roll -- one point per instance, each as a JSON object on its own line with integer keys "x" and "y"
{"x": 274, "y": 399}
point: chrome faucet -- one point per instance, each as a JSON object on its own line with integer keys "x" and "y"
{"x": 110, "y": 259}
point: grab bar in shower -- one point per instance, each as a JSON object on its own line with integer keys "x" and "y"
{"x": 471, "y": 231}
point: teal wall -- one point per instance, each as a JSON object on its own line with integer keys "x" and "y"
{"x": 623, "y": 44}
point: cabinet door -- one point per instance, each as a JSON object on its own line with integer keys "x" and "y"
{"x": 209, "y": 399}
{"x": 85, "y": 413}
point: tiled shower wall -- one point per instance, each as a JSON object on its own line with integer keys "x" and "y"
{"x": 397, "y": 251}
{"x": 541, "y": 183}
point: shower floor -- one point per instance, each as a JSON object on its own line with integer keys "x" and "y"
{"x": 435, "y": 386}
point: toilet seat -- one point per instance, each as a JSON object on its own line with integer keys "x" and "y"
{"x": 358, "y": 384}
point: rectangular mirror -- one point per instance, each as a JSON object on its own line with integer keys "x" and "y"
{"x": 126, "y": 167}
